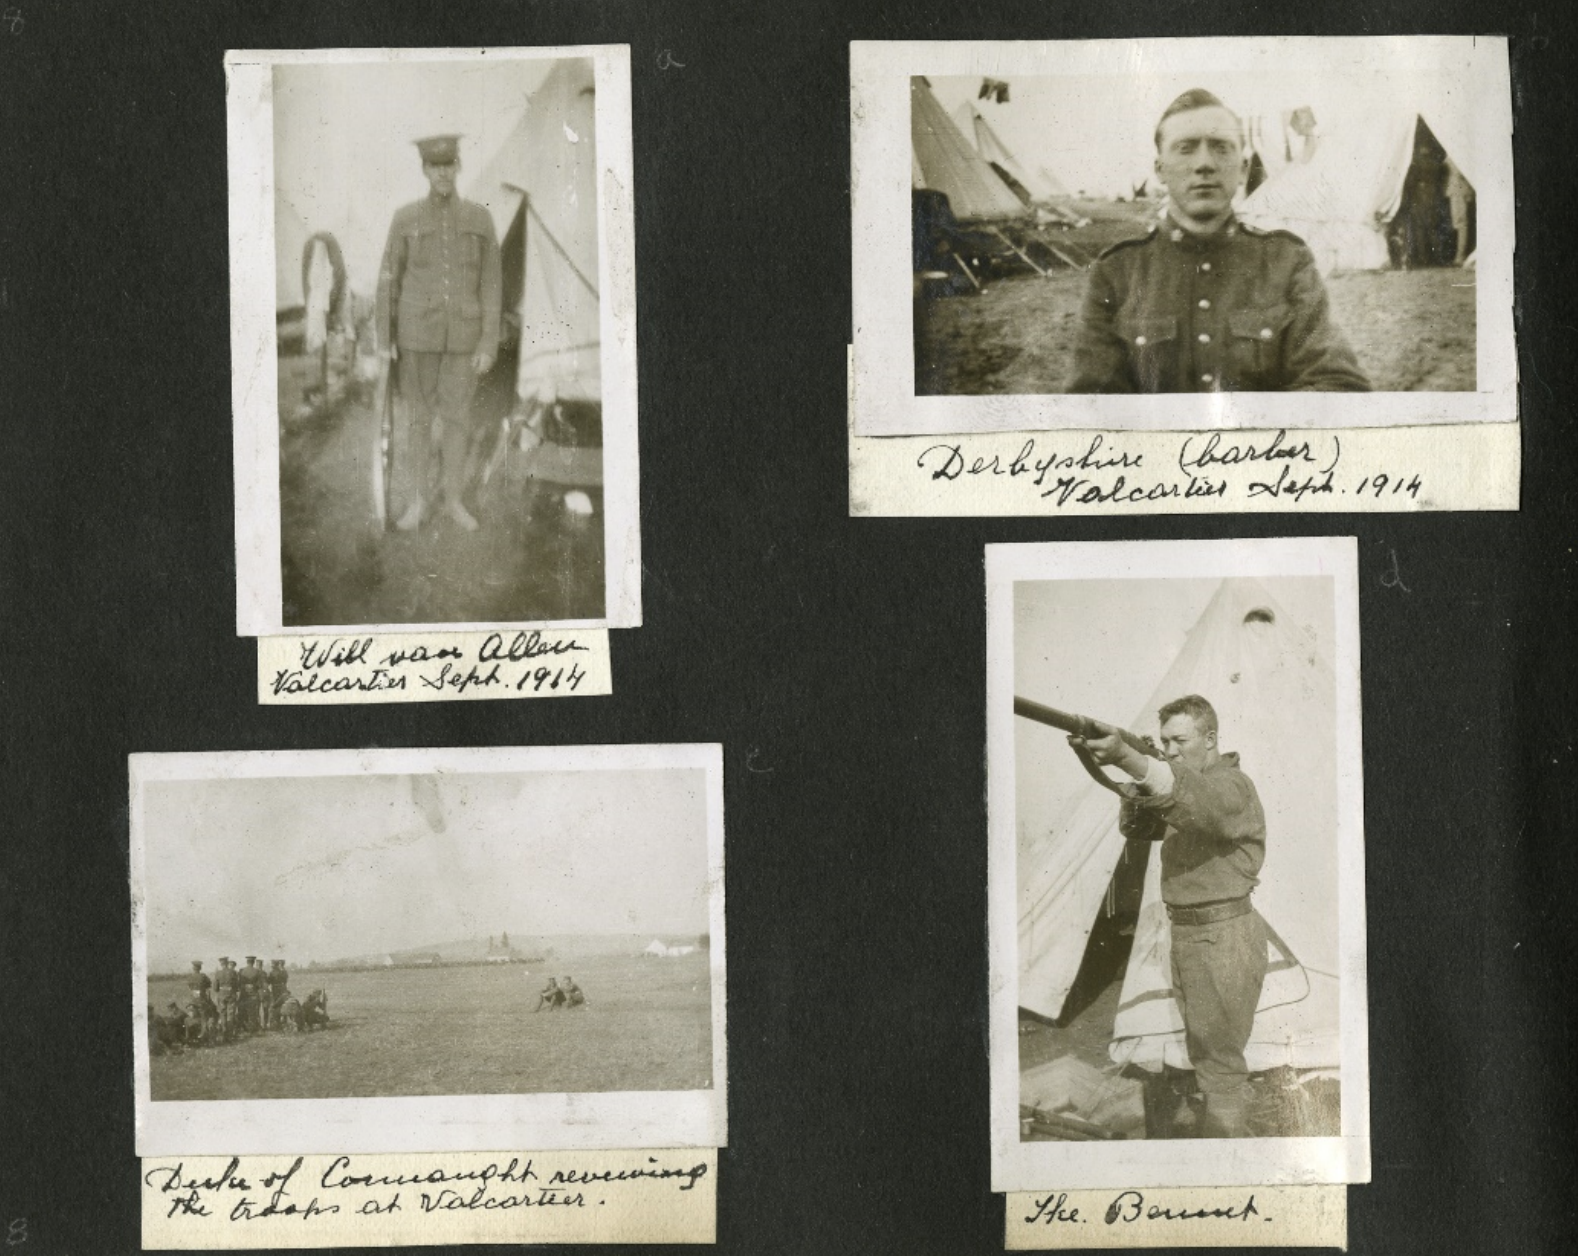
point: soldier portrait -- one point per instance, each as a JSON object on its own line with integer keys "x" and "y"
{"x": 429, "y": 257}
{"x": 1171, "y": 234}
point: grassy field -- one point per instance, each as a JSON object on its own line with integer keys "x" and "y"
{"x": 467, "y": 1031}
{"x": 1412, "y": 330}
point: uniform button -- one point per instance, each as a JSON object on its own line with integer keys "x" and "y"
{"x": 1265, "y": 333}
{"x": 1205, "y": 265}
{"x": 1205, "y": 337}
{"x": 1139, "y": 340}
{"x": 1204, "y": 303}
{"x": 1207, "y": 378}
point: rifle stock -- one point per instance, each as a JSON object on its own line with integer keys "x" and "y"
{"x": 1082, "y": 725}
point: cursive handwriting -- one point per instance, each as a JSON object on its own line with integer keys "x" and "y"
{"x": 580, "y": 1177}
{"x": 952, "y": 463}
{"x": 1214, "y": 451}
{"x": 1053, "y": 1208}
{"x": 525, "y": 646}
{"x": 289, "y": 680}
{"x": 1130, "y": 1207}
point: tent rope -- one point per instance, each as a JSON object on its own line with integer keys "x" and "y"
{"x": 568, "y": 260}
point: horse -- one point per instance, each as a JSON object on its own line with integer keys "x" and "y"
{"x": 315, "y": 1009}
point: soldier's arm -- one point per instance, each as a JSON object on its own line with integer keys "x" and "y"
{"x": 1209, "y": 804}
{"x": 1101, "y": 355}
{"x": 1319, "y": 357}
{"x": 390, "y": 273}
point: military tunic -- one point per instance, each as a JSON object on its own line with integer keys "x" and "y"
{"x": 1240, "y": 310}
{"x": 439, "y": 295}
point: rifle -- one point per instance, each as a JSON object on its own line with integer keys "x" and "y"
{"x": 1084, "y": 726}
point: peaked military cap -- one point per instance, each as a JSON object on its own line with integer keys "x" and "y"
{"x": 439, "y": 150}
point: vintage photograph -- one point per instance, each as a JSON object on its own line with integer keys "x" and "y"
{"x": 1101, "y": 223}
{"x": 371, "y": 950}
{"x": 436, "y": 417}
{"x": 1177, "y": 864}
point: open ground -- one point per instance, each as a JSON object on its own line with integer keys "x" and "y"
{"x": 466, "y": 1030}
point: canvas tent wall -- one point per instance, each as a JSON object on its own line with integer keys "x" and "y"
{"x": 1343, "y": 201}
{"x": 947, "y": 162}
{"x": 541, "y": 188}
{"x": 1037, "y": 183}
{"x": 1273, "y": 686}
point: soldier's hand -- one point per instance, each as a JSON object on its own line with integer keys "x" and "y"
{"x": 1108, "y": 749}
{"x": 482, "y": 363}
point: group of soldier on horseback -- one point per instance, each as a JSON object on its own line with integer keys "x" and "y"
{"x": 235, "y": 1001}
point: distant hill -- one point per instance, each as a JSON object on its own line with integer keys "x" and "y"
{"x": 520, "y": 948}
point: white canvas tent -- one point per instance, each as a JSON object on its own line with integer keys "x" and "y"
{"x": 541, "y": 188}
{"x": 943, "y": 160}
{"x": 1273, "y": 687}
{"x": 1038, "y": 183}
{"x": 659, "y": 951}
{"x": 1343, "y": 199}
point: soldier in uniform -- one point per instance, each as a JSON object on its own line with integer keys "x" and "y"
{"x": 439, "y": 295}
{"x": 278, "y": 983}
{"x": 1206, "y": 813}
{"x": 1205, "y": 303}
{"x": 249, "y": 979}
{"x": 226, "y": 989}
{"x": 550, "y": 997}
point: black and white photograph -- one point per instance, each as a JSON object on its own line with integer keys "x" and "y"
{"x": 436, "y": 412}
{"x": 405, "y": 950}
{"x": 1214, "y": 233}
{"x": 1177, "y": 884}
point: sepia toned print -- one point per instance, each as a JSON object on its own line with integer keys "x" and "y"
{"x": 525, "y": 926}
{"x": 1183, "y": 873}
{"x": 1183, "y": 233}
{"x": 443, "y": 439}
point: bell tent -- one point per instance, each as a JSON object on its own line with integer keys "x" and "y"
{"x": 945, "y": 161}
{"x": 1273, "y": 687}
{"x": 1373, "y": 191}
{"x": 1031, "y": 184}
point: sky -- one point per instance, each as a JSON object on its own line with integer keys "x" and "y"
{"x": 344, "y": 160}
{"x": 1100, "y": 648}
{"x": 318, "y": 868}
{"x": 1095, "y": 132}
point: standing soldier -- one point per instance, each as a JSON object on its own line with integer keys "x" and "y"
{"x": 249, "y": 979}
{"x": 278, "y": 984}
{"x": 439, "y": 296}
{"x": 199, "y": 983}
{"x": 225, "y": 987}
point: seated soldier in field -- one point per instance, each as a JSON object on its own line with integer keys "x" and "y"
{"x": 551, "y": 995}
{"x": 572, "y": 993}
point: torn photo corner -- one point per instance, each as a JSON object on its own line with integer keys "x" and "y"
{"x": 1177, "y": 922}
{"x": 403, "y": 951}
{"x": 433, "y": 339}
{"x": 1182, "y": 234}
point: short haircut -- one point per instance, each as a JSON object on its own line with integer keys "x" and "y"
{"x": 1195, "y": 98}
{"x": 1195, "y": 707}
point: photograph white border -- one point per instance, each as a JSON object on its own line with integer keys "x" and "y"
{"x": 1030, "y": 1166}
{"x": 254, "y": 346}
{"x": 634, "y": 1119}
{"x": 885, "y": 403}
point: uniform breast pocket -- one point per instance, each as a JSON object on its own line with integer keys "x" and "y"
{"x": 1258, "y": 347}
{"x": 1153, "y": 351}
{"x": 471, "y": 250}
{"x": 422, "y": 248}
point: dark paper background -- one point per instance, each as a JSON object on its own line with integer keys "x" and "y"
{"x": 840, "y": 662}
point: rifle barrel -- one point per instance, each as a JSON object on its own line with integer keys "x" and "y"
{"x": 1079, "y": 725}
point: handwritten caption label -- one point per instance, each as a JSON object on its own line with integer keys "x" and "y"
{"x": 1234, "y": 1216}
{"x": 433, "y": 667}
{"x": 1093, "y": 473}
{"x": 516, "y": 1197}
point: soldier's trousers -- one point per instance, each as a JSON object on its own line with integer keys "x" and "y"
{"x": 437, "y": 389}
{"x": 1218, "y": 972}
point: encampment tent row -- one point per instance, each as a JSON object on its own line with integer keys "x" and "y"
{"x": 1272, "y": 684}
